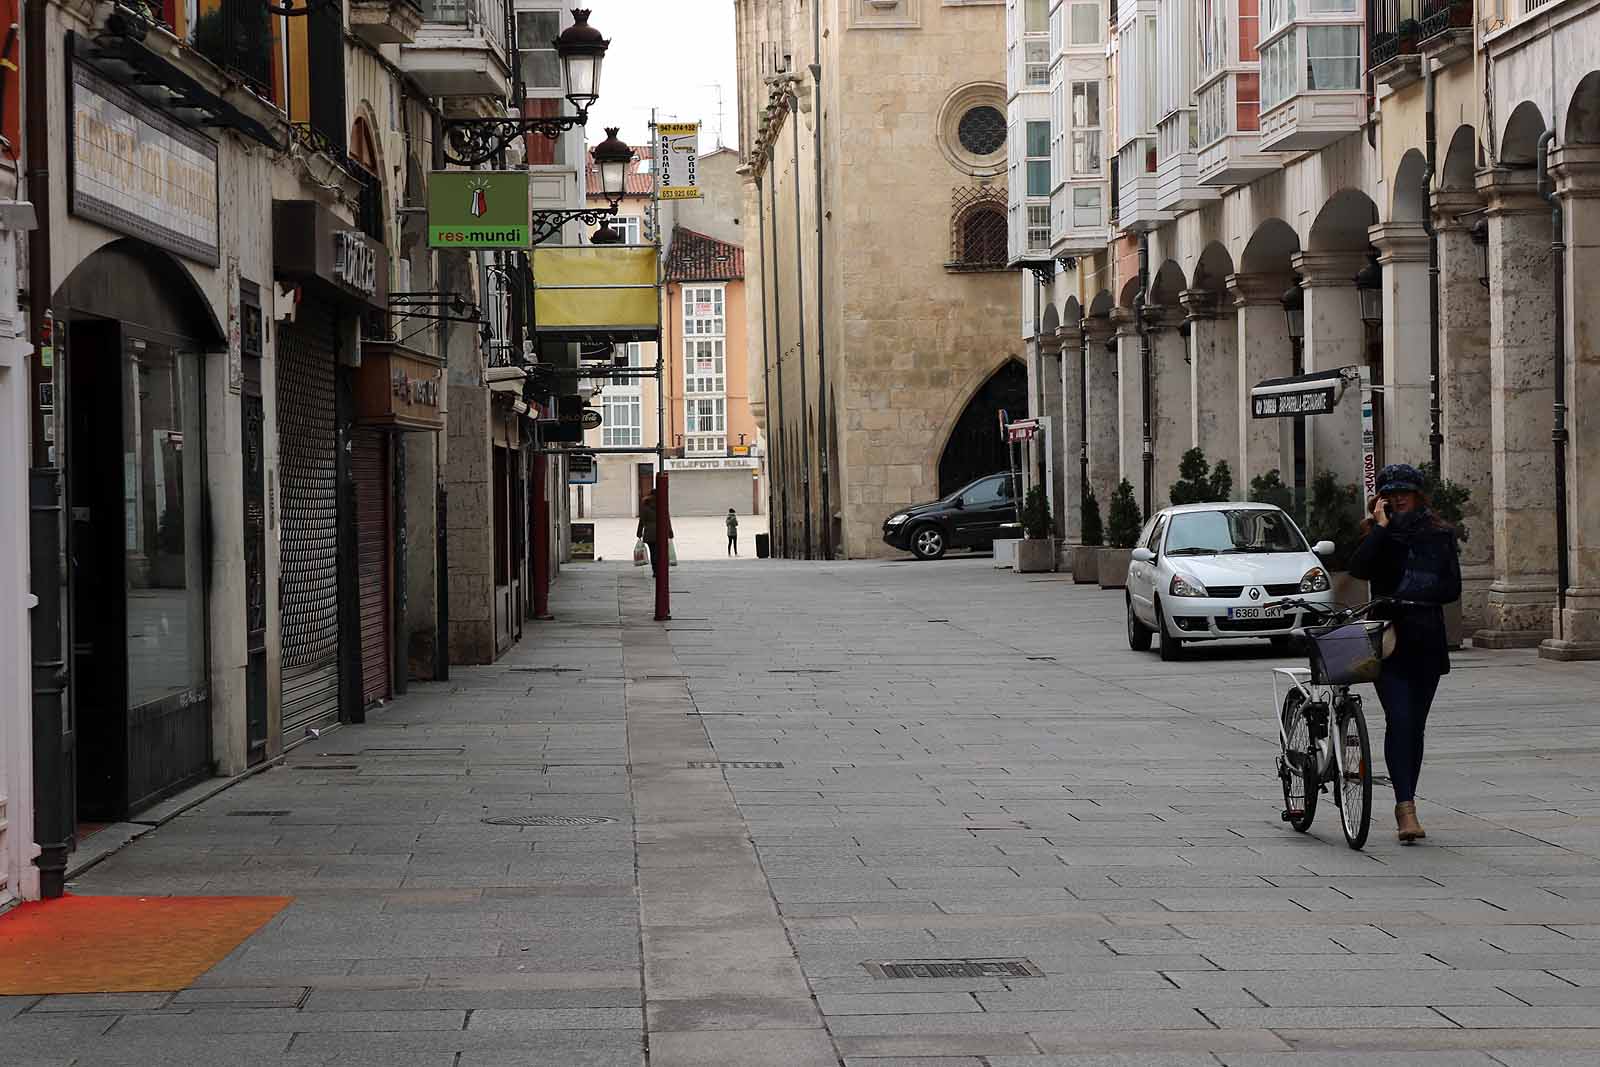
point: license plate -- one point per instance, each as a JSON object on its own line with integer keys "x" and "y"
{"x": 1265, "y": 612}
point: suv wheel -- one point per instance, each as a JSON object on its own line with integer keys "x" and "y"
{"x": 927, "y": 542}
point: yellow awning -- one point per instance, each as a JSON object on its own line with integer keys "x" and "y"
{"x": 597, "y": 292}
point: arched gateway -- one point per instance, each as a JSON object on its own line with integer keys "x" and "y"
{"x": 974, "y": 447}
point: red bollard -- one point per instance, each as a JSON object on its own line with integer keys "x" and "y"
{"x": 541, "y": 538}
{"x": 663, "y": 538}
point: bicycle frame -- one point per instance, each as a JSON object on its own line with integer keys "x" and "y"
{"x": 1329, "y": 755}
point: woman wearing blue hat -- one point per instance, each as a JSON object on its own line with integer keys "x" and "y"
{"x": 1409, "y": 553}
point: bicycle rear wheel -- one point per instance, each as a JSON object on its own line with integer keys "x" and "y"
{"x": 1297, "y": 764}
{"x": 1355, "y": 786}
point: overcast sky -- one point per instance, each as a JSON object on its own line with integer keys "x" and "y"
{"x": 671, "y": 55}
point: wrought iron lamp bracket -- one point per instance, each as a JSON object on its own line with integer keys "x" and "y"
{"x": 546, "y": 223}
{"x": 468, "y": 142}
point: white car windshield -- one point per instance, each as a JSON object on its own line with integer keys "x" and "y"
{"x": 1214, "y": 533}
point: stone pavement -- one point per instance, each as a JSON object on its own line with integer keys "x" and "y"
{"x": 817, "y": 767}
{"x": 697, "y": 537}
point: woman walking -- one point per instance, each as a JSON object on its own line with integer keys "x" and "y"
{"x": 647, "y": 529}
{"x": 732, "y": 522}
{"x": 1408, "y": 553}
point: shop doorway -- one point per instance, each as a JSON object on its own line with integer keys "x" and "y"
{"x": 136, "y": 551}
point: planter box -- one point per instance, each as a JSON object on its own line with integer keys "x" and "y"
{"x": 1036, "y": 557}
{"x": 1114, "y": 567}
{"x": 1086, "y": 564}
{"x": 1005, "y": 554}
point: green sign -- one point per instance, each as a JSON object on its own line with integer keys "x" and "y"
{"x": 478, "y": 209}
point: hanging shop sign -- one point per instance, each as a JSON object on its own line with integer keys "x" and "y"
{"x": 478, "y": 209}
{"x": 678, "y": 153}
{"x": 582, "y": 469}
{"x": 312, "y": 244}
{"x": 594, "y": 293}
{"x": 1302, "y": 394}
{"x": 399, "y": 388}
{"x": 135, "y": 170}
{"x": 590, "y": 419}
{"x": 1022, "y": 430}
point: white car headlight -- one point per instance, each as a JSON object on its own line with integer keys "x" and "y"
{"x": 896, "y": 520}
{"x": 1315, "y": 581}
{"x": 1182, "y": 586}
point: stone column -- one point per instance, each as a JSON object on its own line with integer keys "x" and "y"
{"x": 1074, "y": 342}
{"x": 1521, "y": 387}
{"x": 1335, "y": 337}
{"x": 1213, "y": 378}
{"x": 1407, "y": 376}
{"x": 1263, "y": 352}
{"x": 1100, "y": 380}
{"x": 1050, "y": 356}
{"x": 1464, "y": 392}
{"x": 1130, "y": 404}
{"x": 1171, "y": 421}
{"x": 1577, "y": 626}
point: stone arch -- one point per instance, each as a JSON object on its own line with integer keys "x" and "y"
{"x": 1409, "y": 201}
{"x": 1168, "y": 284}
{"x": 1211, "y": 270}
{"x": 1342, "y": 224}
{"x": 1269, "y": 248}
{"x": 1101, "y": 305}
{"x": 1520, "y": 144}
{"x": 972, "y": 444}
{"x": 1071, "y": 312}
{"x": 364, "y": 146}
{"x": 1583, "y": 112}
{"x": 121, "y": 280}
{"x": 1050, "y": 322}
{"x": 1130, "y": 289}
{"x": 1460, "y": 160}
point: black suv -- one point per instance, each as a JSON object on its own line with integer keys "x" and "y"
{"x": 971, "y": 517}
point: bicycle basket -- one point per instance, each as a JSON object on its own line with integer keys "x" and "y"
{"x": 1347, "y": 653}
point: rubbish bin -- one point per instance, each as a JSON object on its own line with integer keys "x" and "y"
{"x": 763, "y": 546}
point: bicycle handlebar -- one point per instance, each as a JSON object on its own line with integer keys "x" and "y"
{"x": 1333, "y": 610}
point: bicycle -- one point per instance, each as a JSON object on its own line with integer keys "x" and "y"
{"x": 1345, "y": 648}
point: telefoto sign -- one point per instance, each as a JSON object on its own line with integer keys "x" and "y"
{"x": 138, "y": 172}
{"x": 478, "y": 209}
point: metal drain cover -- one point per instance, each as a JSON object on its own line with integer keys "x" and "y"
{"x": 741, "y": 765}
{"x": 1015, "y": 967}
{"x": 548, "y": 821}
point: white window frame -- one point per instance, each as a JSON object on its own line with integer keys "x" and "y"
{"x": 535, "y": 10}
{"x": 614, "y": 432}
{"x": 712, "y": 325}
{"x": 1085, "y": 133}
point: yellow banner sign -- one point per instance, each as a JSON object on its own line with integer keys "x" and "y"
{"x": 608, "y": 291}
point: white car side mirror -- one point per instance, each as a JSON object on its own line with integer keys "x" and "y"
{"x": 1323, "y": 548}
{"x": 1143, "y": 555}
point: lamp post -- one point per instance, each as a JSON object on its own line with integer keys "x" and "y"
{"x": 611, "y": 158}
{"x": 1369, "y": 287}
{"x": 582, "y": 51}
{"x": 1480, "y": 237}
{"x": 1294, "y": 314}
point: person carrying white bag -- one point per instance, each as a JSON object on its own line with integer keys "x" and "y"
{"x": 647, "y": 535}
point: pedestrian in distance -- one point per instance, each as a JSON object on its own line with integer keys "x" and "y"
{"x": 1408, "y": 552}
{"x": 733, "y": 533}
{"x": 647, "y": 529}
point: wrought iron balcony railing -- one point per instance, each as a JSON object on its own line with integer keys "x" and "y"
{"x": 1438, "y": 16}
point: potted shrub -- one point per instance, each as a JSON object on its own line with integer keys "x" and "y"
{"x": 1122, "y": 530}
{"x": 1269, "y": 488}
{"x": 1449, "y": 502}
{"x": 1409, "y": 31}
{"x": 1200, "y": 483}
{"x": 1036, "y": 552}
{"x": 1086, "y": 557}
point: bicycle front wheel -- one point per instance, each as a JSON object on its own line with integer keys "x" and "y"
{"x": 1297, "y": 764}
{"x": 1355, "y": 780}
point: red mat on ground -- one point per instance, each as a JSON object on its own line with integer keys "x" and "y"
{"x": 123, "y": 944}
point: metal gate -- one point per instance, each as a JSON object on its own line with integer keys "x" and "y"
{"x": 369, "y": 469}
{"x": 309, "y": 539}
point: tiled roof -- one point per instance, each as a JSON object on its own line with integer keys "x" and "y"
{"x": 695, "y": 257}
{"x": 637, "y": 183}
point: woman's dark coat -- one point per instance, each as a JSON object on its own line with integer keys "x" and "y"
{"x": 1413, "y": 559}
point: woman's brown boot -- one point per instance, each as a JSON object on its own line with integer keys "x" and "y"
{"x": 1405, "y": 817}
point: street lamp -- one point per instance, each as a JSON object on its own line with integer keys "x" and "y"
{"x": 1480, "y": 237}
{"x": 1369, "y": 287}
{"x": 582, "y": 51}
{"x": 1294, "y": 313}
{"x": 611, "y": 158}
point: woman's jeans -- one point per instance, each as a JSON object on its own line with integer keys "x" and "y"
{"x": 1406, "y": 692}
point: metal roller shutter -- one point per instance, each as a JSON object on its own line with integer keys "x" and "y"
{"x": 369, "y": 469}
{"x": 309, "y": 538}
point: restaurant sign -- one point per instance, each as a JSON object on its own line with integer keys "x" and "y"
{"x": 398, "y": 387}
{"x": 135, "y": 170}
{"x": 1296, "y": 396}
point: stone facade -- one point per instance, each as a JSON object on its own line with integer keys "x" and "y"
{"x": 905, "y": 339}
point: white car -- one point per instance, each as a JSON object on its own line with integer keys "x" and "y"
{"x": 1207, "y": 572}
